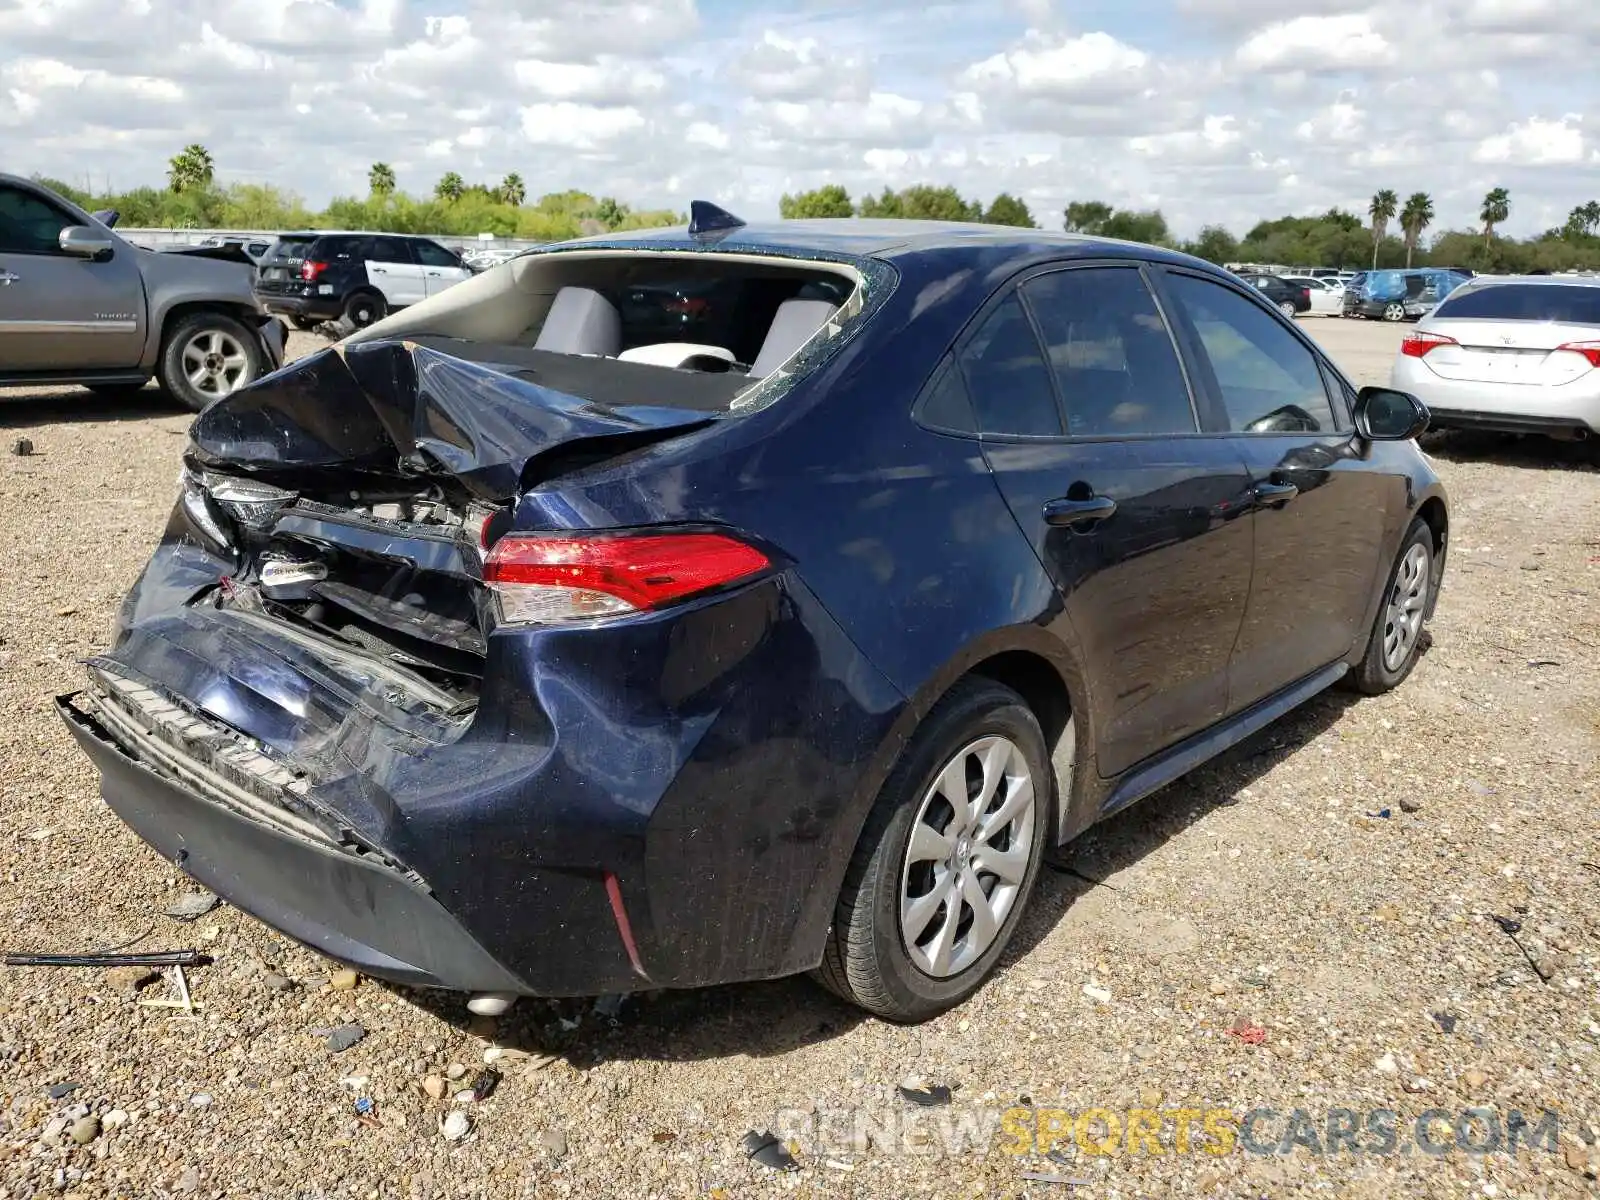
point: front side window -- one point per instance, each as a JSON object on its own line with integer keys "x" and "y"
{"x": 1111, "y": 352}
{"x": 431, "y": 255}
{"x": 29, "y": 224}
{"x": 1007, "y": 378}
{"x": 1269, "y": 382}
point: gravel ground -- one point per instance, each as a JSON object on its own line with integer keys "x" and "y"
{"x": 1249, "y": 937}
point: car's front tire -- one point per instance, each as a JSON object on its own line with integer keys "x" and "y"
{"x": 1397, "y": 631}
{"x": 1394, "y": 312}
{"x": 947, "y": 861}
{"x": 208, "y": 355}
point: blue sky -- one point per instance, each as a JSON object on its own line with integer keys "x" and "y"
{"x": 1214, "y": 110}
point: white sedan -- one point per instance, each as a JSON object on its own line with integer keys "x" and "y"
{"x": 1327, "y": 294}
{"x": 1516, "y": 355}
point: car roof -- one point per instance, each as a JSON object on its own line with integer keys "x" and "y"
{"x": 1568, "y": 280}
{"x": 884, "y": 238}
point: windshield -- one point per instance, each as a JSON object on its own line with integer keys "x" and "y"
{"x": 1569, "y": 305}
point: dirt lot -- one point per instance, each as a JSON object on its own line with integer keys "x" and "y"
{"x": 1248, "y": 938}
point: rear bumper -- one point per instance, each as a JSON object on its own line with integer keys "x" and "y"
{"x": 1568, "y": 410}
{"x": 315, "y": 308}
{"x": 367, "y": 915}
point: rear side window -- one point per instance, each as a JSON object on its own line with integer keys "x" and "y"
{"x": 945, "y": 404}
{"x": 1111, "y": 353}
{"x": 1268, "y": 381}
{"x": 1007, "y": 378}
{"x": 1569, "y": 305}
{"x": 388, "y": 250}
{"x": 289, "y": 250}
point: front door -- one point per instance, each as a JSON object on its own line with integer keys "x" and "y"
{"x": 440, "y": 268}
{"x": 1316, "y": 509}
{"x": 1095, "y": 447}
{"x": 59, "y": 311}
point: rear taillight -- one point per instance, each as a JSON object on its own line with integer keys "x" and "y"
{"x": 311, "y": 269}
{"x": 1590, "y": 350}
{"x": 552, "y": 578}
{"x": 1417, "y": 343}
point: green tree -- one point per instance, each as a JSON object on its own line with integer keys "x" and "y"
{"x": 1008, "y": 210}
{"x": 1416, "y": 216}
{"x": 1131, "y": 226}
{"x": 829, "y": 200}
{"x": 1496, "y": 208}
{"x": 512, "y": 190}
{"x": 1086, "y": 216}
{"x": 191, "y": 169}
{"x": 380, "y": 179}
{"x": 610, "y": 212}
{"x": 885, "y": 205}
{"x": 1381, "y": 211}
{"x": 450, "y": 187}
{"x": 1215, "y": 244}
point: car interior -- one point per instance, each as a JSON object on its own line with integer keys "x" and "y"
{"x": 618, "y": 326}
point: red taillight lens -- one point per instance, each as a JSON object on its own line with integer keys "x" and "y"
{"x": 310, "y": 269}
{"x": 1590, "y": 350}
{"x": 545, "y": 579}
{"x": 1417, "y": 343}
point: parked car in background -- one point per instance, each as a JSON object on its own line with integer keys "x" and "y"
{"x": 1512, "y": 354}
{"x": 1289, "y": 298}
{"x": 507, "y": 649}
{"x": 1326, "y": 293}
{"x": 255, "y": 249}
{"x": 355, "y": 277}
{"x": 78, "y": 304}
{"x": 1398, "y": 295}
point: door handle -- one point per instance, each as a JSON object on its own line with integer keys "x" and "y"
{"x": 7, "y": 278}
{"x": 1271, "y": 494}
{"x": 1064, "y": 511}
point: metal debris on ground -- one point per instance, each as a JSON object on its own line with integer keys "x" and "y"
{"x": 191, "y": 906}
{"x": 184, "y": 1002}
{"x": 926, "y": 1097}
{"x": 768, "y": 1151}
{"x": 159, "y": 958}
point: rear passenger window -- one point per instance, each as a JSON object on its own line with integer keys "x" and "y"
{"x": 389, "y": 250}
{"x": 1007, "y": 378}
{"x": 945, "y": 404}
{"x": 1111, "y": 352}
{"x": 1269, "y": 381}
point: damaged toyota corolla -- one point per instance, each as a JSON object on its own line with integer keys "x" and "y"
{"x": 709, "y": 605}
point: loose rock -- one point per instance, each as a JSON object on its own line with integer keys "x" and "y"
{"x": 85, "y": 1130}
{"x": 455, "y": 1125}
{"x": 344, "y": 981}
{"x": 191, "y": 906}
{"x": 345, "y": 1036}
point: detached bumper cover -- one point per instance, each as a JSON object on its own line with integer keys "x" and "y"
{"x": 366, "y": 914}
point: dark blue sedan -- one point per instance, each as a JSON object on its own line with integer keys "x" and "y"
{"x": 670, "y": 609}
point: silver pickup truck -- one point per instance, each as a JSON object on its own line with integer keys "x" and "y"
{"x": 78, "y": 304}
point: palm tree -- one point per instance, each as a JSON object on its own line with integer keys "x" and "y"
{"x": 449, "y": 187}
{"x": 1496, "y": 208}
{"x": 191, "y": 169}
{"x": 380, "y": 179}
{"x": 1381, "y": 210}
{"x": 512, "y": 191}
{"x": 1414, "y": 218}
{"x": 1589, "y": 214}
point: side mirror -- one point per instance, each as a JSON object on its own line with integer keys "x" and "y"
{"x": 81, "y": 241}
{"x": 1385, "y": 415}
{"x": 106, "y": 216}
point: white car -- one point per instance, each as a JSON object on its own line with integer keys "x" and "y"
{"x": 1513, "y": 354}
{"x": 1327, "y": 295}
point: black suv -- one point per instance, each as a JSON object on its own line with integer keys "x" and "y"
{"x": 359, "y": 277}
{"x": 1290, "y": 298}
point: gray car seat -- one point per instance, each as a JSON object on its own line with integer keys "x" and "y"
{"x": 581, "y": 321}
{"x": 795, "y": 322}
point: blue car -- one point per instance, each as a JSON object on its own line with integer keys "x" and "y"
{"x": 505, "y": 647}
{"x": 1400, "y": 295}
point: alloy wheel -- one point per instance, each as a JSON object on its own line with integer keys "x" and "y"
{"x": 967, "y": 856}
{"x": 215, "y": 362}
{"x": 1394, "y": 312}
{"x": 1408, "y": 601}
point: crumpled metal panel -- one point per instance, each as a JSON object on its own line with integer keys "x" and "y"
{"x": 396, "y": 409}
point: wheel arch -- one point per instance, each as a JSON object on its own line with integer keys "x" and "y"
{"x": 1436, "y": 516}
{"x": 246, "y": 314}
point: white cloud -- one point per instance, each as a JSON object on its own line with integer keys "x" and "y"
{"x": 578, "y": 126}
{"x": 1535, "y": 142}
{"x": 1317, "y": 44}
{"x": 1095, "y": 64}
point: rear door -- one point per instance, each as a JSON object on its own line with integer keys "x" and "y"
{"x": 1317, "y": 506}
{"x": 393, "y": 270}
{"x": 1095, "y": 446}
{"x": 278, "y": 272}
{"x": 440, "y": 268}
{"x": 59, "y": 311}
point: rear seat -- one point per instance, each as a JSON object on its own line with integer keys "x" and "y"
{"x": 581, "y": 321}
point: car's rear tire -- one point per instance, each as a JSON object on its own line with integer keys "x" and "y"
{"x": 922, "y": 859}
{"x": 363, "y": 309}
{"x": 208, "y": 355}
{"x": 1286, "y": 307}
{"x": 1394, "y": 312}
{"x": 1397, "y": 632}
